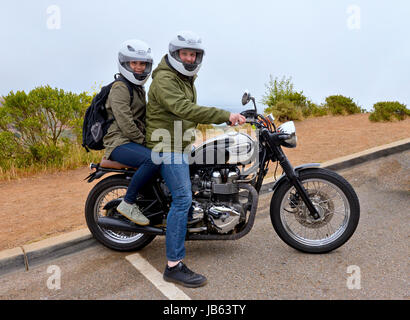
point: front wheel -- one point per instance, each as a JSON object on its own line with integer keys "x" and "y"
{"x": 334, "y": 199}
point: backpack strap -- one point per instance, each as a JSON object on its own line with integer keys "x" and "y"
{"x": 119, "y": 77}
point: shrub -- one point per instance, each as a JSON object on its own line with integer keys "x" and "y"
{"x": 279, "y": 90}
{"x": 32, "y": 125}
{"x": 284, "y": 102}
{"x": 313, "y": 110}
{"x": 9, "y": 148}
{"x": 285, "y": 110}
{"x": 341, "y": 105}
{"x": 387, "y": 111}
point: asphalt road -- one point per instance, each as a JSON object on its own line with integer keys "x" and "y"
{"x": 373, "y": 264}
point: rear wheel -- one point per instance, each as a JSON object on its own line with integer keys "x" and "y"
{"x": 334, "y": 199}
{"x": 109, "y": 189}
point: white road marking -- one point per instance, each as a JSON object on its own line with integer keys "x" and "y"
{"x": 170, "y": 290}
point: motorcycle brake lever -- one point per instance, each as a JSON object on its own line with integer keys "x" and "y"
{"x": 229, "y": 123}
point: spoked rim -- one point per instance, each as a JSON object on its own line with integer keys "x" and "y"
{"x": 332, "y": 206}
{"x": 109, "y": 194}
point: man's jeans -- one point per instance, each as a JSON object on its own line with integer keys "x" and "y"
{"x": 175, "y": 171}
{"x": 135, "y": 155}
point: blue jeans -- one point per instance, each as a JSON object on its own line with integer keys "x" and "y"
{"x": 135, "y": 155}
{"x": 175, "y": 171}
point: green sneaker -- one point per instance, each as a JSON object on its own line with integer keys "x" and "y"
{"x": 132, "y": 212}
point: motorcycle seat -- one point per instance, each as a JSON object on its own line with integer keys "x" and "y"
{"x": 110, "y": 164}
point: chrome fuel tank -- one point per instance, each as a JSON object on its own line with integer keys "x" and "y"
{"x": 229, "y": 148}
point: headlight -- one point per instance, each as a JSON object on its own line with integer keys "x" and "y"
{"x": 287, "y": 127}
{"x": 291, "y": 142}
{"x": 290, "y": 129}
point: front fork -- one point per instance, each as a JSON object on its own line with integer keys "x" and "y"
{"x": 294, "y": 180}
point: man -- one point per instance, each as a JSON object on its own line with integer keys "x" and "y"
{"x": 172, "y": 113}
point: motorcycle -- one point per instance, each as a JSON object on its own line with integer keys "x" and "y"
{"x": 313, "y": 210}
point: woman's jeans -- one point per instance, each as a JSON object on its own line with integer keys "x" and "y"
{"x": 135, "y": 155}
{"x": 175, "y": 171}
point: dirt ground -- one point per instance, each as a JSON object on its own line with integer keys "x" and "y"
{"x": 51, "y": 204}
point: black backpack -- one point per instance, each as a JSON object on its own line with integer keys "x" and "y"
{"x": 96, "y": 124}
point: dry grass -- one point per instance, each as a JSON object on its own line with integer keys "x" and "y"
{"x": 75, "y": 158}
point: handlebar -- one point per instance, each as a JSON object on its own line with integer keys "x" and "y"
{"x": 247, "y": 121}
{"x": 252, "y": 118}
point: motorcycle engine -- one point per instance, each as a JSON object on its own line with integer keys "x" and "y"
{"x": 216, "y": 194}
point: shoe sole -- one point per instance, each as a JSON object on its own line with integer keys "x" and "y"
{"x": 139, "y": 223}
{"x": 188, "y": 285}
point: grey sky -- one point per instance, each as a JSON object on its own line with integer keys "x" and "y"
{"x": 246, "y": 41}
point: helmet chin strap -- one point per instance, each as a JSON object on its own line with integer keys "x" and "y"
{"x": 186, "y": 69}
{"x": 189, "y": 66}
{"x": 139, "y": 76}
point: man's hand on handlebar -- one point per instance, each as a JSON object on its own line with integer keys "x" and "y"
{"x": 235, "y": 119}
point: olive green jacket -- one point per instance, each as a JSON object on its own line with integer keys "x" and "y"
{"x": 172, "y": 107}
{"x": 129, "y": 120}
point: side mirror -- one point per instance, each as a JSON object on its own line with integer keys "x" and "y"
{"x": 246, "y": 97}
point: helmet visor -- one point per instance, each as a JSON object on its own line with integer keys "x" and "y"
{"x": 174, "y": 50}
{"x": 138, "y": 75}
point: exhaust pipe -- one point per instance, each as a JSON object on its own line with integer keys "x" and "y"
{"x": 119, "y": 225}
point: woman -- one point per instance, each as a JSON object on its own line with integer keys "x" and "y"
{"x": 125, "y": 138}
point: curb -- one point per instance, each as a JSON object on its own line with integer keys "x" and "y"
{"x": 367, "y": 155}
{"x": 26, "y": 256}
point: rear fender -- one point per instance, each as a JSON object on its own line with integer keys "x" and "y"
{"x": 99, "y": 172}
{"x": 95, "y": 175}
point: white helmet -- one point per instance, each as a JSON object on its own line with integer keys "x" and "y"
{"x": 135, "y": 50}
{"x": 186, "y": 40}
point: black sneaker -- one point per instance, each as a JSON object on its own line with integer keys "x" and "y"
{"x": 180, "y": 274}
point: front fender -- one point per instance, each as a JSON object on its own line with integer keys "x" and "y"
{"x": 297, "y": 169}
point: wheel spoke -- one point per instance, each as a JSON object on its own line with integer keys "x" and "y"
{"x": 333, "y": 208}
{"x": 108, "y": 195}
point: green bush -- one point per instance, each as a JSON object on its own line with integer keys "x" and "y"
{"x": 314, "y": 110}
{"x": 285, "y": 110}
{"x": 284, "y": 102}
{"x": 341, "y": 105}
{"x": 33, "y": 126}
{"x": 387, "y": 111}
{"x": 279, "y": 90}
{"x": 9, "y": 149}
